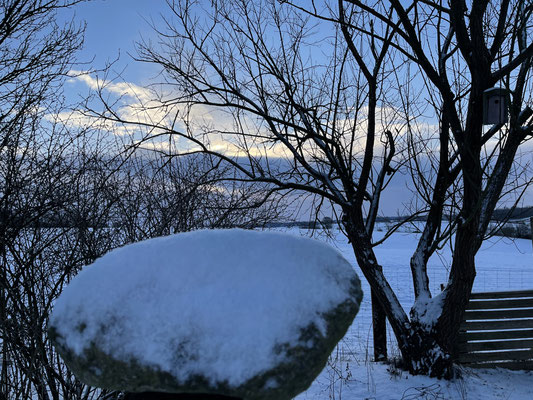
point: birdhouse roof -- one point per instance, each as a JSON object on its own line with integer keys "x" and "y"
{"x": 496, "y": 91}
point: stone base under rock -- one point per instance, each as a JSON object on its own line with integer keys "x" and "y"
{"x": 176, "y": 396}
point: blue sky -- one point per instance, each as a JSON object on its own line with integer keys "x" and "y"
{"x": 113, "y": 26}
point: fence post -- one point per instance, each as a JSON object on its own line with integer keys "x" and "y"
{"x": 531, "y": 229}
{"x": 379, "y": 325}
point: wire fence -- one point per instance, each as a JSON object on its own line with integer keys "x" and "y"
{"x": 502, "y": 264}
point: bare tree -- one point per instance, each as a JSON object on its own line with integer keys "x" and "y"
{"x": 158, "y": 195}
{"x": 35, "y": 53}
{"x": 477, "y": 48}
{"x": 303, "y": 95}
{"x": 69, "y": 194}
{"x": 40, "y": 172}
{"x": 323, "y": 115}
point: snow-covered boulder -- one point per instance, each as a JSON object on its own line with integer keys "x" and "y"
{"x": 239, "y": 313}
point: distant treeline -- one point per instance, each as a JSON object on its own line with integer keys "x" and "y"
{"x": 65, "y": 220}
{"x": 503, "y": 214}
{"x": 500, "y": 214}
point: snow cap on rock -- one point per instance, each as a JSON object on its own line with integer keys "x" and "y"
{"x": 212, "y": 311}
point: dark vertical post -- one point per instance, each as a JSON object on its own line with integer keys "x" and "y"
{"x": 531, "y": 229}
{"x": 379, "y": 325}
{"x": 4, "y": 384}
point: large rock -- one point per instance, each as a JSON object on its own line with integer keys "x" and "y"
{"x": 247, "y": 314}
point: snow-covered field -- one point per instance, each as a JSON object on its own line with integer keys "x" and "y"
{"x": 501, "y": 265}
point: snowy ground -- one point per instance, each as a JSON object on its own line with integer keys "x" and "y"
{"x": 501, "y": 265}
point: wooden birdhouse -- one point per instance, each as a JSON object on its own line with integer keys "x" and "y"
{"x": 495, "y": 106}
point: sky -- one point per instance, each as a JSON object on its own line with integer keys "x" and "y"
{"x": 113, "y": 27}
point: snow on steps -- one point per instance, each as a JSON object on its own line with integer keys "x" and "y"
{"x": 497, "y": 331}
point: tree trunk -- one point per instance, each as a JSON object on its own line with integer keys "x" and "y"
{"x": 457, "y": 293}
{"x": 422, "y": 352}
{"x": 3, "y": 325}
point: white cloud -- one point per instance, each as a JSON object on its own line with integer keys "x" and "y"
{"x": 151, "y": 111}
